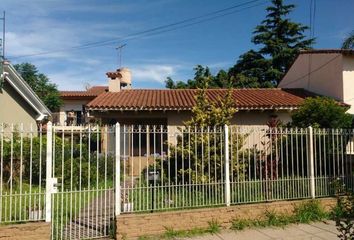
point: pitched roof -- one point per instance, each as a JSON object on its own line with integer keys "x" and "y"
{"x": 184, "y": 99}
{"x": 90, "y": 93}
{"x": 25, "y": 91}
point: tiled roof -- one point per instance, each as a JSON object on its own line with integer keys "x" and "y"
{"x": 90, "y": 93}
{"x": 184, "y": 99}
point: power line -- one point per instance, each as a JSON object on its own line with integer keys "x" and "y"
{"x": 313, "y": 8}
{"x": 312, "y": 35}
{"x": 157, "y": 30}
{"x": 187, "y": 25}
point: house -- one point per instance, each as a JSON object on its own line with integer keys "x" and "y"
{"x": 19, "y": 103}
{"x": 328, "y": 72}
{"x": 119, "y": 102}
{"x": 170, "y": 108}
{"x": 313, "y": 72}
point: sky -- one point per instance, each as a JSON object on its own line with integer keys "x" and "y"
{"x": 34, "y": 27}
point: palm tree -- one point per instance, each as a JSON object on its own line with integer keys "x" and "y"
{"x": 349, "y": 41}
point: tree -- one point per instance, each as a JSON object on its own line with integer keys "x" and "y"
{"x": 41, "y": 85}
{"x": 204, "y": 131}
{"x": 251, "y": 70}
{"x": 322, "y": 112}
{"x": 197, "y": 82}
{"x": 206, "y": 113}
{"x": 348, "y": 42}
{"x": 280, "y": 40}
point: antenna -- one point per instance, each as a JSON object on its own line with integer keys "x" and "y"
{"x": 119, "y": 54}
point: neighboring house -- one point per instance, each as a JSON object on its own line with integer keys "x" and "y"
{"x": 328, "y": 72}
{"x": 73, "y": 111}
{"x": 19, "y": 103}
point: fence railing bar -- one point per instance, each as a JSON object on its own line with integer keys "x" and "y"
{"x": 117, "y": 205}
{"x": 49, "y": 183}
{"x": 311, "y": 160}
{"x": 227, "y": 166}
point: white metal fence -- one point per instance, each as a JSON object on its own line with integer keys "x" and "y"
{"x": 80, "y": 177}
{"x": 176, "y": 168}
{"x": 22, "y": 178}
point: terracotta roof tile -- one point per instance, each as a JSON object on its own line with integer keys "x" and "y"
{"x": 91, "y": 93}
{"x": 166, "y": 99}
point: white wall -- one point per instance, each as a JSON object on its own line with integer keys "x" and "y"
{"x": 348, "y": 81}
{"x": 318, "y": 73}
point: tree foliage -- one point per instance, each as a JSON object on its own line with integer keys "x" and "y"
{"x": 322, "y": 112}
{"x": 41, "y": 85}
{"x": 279, "y": 40}
{"x": 348, "y": 42}
{"x": 200, "y": 74}
{"x": 209, "y": 113}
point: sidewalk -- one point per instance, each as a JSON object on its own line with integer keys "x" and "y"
{"x": 314, "y": 231}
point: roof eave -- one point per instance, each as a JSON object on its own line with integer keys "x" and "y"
{"x": 22, "y": 87}
{"x": 288, "y": 108}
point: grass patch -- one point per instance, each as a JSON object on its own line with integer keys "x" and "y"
{"x": 306, "y": 212}
{"x": 310, "y": 211}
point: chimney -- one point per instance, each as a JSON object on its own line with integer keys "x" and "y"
{"x": 120, "y": 79}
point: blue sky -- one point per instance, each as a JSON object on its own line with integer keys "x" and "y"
{"x": 37, "y": 26}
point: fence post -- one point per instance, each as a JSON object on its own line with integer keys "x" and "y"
{"x": 49, "y": 183}
{"x": 117, "y": 205}
{"x": 312, "y": 163}
{"x": 227, "y": 166}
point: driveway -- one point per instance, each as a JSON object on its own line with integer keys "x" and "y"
{"x": 314, "y": 231}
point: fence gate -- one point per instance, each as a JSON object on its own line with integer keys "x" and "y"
{"x": 81, "y": 169}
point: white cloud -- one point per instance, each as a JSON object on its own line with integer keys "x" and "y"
{"x": 151, "y": 72}
{"x": 52, "y": 25}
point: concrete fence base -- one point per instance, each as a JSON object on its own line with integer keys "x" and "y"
{"x": 132, "y": 226}
{"x": 26, "y": 231}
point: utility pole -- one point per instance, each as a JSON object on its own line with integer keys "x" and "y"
{"x": 119, "y": 52}
{"x": 2, "y": 59}
{"x": 3, "y": 36}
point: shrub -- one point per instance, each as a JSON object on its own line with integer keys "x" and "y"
{"x": 309, "y": 211}
{"x": 344, "y": 211}
{"x": 322, "y": 112}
